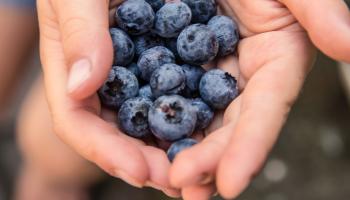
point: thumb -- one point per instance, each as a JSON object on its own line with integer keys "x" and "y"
{"x": 88, "y": 51}
{"x": 327, "y": 23}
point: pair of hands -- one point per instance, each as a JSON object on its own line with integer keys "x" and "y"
{"x": 275, "y": 56}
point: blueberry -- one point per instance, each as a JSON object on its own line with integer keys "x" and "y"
{"x": 152, "y": 59}
{"x": 146, "y": 41}
{"x": 134, "y": 69}
{"x": 167, "y": 79}
{"x": 133, "y": 117}
{"x": 120, "y": 86}
{"x": 172, "y": 118}
{"x": 171, "y": 43}
{"x": 226, "y": 31}
{"x": 193, "y": 74}
{"x": 218, "y": 88}
{"x": 205, "y": 114}
{"x": 197, "y": 44}
{"x": 124, "y": 49}
{"x": 179, "y": 146}
{"x": 202, "y": 10}
{"x": 135, "y": 17}
{"x": 172, "y": 18}
{"x": 146, "y": 92}
{"x": 156, "y": 4}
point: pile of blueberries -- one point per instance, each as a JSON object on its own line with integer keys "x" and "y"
{"x": 157, "y": 84}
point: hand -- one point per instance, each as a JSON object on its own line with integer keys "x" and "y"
{"x": 76, "y": 53}
{"x": 275, "y": 56}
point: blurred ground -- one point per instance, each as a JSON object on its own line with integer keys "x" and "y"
{"x": 311, "y": 160}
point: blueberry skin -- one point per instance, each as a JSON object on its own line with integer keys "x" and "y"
{"x": 135, "y": 17}
{"x": 218, "y": 88}
{"x": 156, "y": 4}
{"x": 226, "y": 31}
{"x": 146, "y": 92}
{"x": 167, "y": 80}
{"x": 123, "y": 46}
{"x": 172, "y": 118}
{"x": 205, "y": 114}
{"x": 179, "y": 146}
{"x": 134, "y": 69}
{"x": 133, "y": 117}
{"x": 152, "y": 59}
{"x": 193, "y": 74}
{"x": 172, "y": 18}
{"x": 146, "y": 41}
{"x": 197, "y": 44}
{"x": 120, "y": 85}
{"x": 202, "y": 10}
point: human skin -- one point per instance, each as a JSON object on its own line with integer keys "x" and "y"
{"x": 275, "y": 56}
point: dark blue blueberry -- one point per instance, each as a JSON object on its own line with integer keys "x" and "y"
{"x": 218, "y": 88}
{"x": 146, "y": 92}
{"x": 133, "y": 117}
{"x": 197, "y": 44}
{"x": 179, "y": 146}
{"x": 172, "y": 118}
{"x": 134, "y": 69}
{"x": 202, "y": 10}
{"x": 156, "y": 4}
{"x": 120, "y": 86}
{"x": 193, "y": 74}
{"x": 205, "y": 114}
{"x": 152, "y": 59}
{"x": 226, "y": 31}
{"x": 135, "y": 17}
{"x": 146, "y": 41}
{"x": 172, "y": 18}
{"x": 124, "y": 49}
{"x": 167, "y": 79}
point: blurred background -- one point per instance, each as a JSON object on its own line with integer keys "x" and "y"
{"x": 310, "y": 161}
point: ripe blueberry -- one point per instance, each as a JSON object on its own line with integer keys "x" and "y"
{"x": 146, "y": 92}
{"x": 124, "y": 49}
{"x": 146, "y": 41}
{"x": 134, "y": 69}
{"x": 193, "y": 74}
{"x": 226, "y": 31}
{"x": 120, "y": 86}
{"x": 156, "y": 4}
{"x": 133, "y": 117}
{"x": 218, "y": 88}
{"x": 197, "y": 44}
{"x": 172, "y": 118}
{"x": 205, "y": 114}
{"x": 167, "y": 79}
{"x": 202, "y": 10}
{"x": 135, "y": 17}
{"x": 179, "y": 146}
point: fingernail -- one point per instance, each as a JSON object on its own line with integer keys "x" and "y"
{"x": 153, "y": 185}
{"x": 79, "y": 72}
{"x": 130, "y": 180}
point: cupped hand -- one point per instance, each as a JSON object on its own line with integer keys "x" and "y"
{"x": 76, "y": 53}
{"x": 274, "y": 58}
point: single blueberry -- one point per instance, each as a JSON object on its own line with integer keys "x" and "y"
{"x": 197, "y": 44}
{"x": 146, "y": 92}
{"x": 123, "y": 46}
{"x": 120, "y": 85}
{"x": 205, "y": 114}
{"x": 172, "y": 118}
{"x": 167, "y": 79}
{"x": 193, "y": 74}
{"x": 152, "y": 59}
{"x": 226, "y": 31}
{"x": 179, "y": 146}
{"x": 133, "y": 117}
{"x": 134, "y": 69}
{"x": 202, "y": 10}
{"x": 135, "y": 16}
{"x": 156, "y": 4}
{"x": 218, "y": 88}
{"x": 146, "y": 41}
{"x": 172, "y": 18}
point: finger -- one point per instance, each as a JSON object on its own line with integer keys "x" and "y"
{"x": 266, "y": 101}
{"x": 198, "y": 192}
{"x": 83, "y": 26}
{"x": 317, "y": 16}
{"x": 77, "y": 122}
